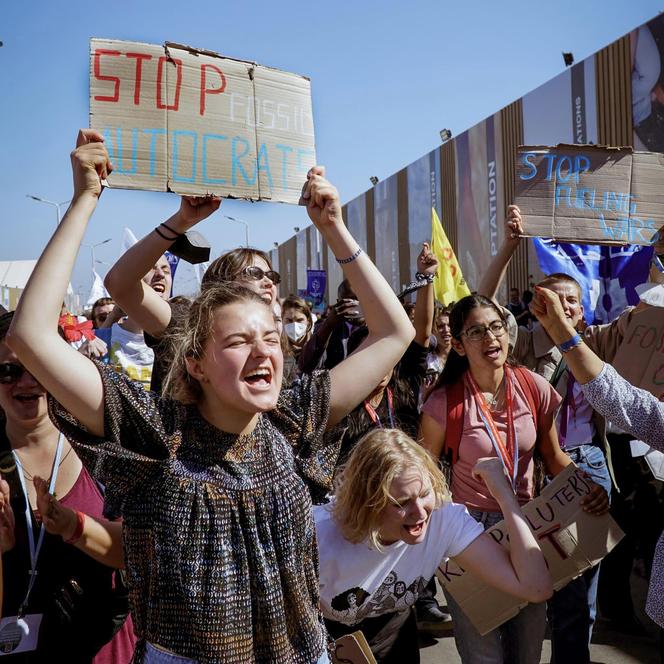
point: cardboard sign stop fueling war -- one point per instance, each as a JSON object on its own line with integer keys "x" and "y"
{"x": 194, "y": 122}
{"x": 589, "y": 194}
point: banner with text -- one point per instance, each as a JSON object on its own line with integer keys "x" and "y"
{"x": 571, "y": 540}
{"x": 194, "y": 122}
{"x": 589, "y": 194}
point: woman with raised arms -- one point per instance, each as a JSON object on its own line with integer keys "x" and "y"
{"x": 220, "y": 544}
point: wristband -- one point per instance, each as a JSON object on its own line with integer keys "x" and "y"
{"x": 570, "y": 343}
{"x": 350, "y": 259}
{"x": 78, "y": 531}
{"x": 421, "y": 276}
{"x": 164, "y": 237}
{"x": 168, "y": 228}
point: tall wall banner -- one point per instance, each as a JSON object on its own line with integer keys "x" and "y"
{"x": 316, "y": 283}
{"x": 180, "y": 119}
{"x": 647, "y": 48}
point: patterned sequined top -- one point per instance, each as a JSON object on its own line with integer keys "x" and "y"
{"x": 219, "y": 539}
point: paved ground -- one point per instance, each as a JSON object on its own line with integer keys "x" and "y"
{"x": 608, "y": 647}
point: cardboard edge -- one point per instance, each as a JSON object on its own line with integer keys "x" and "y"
{"x": 201, "y": 51}
{"x": 576, "y": 146}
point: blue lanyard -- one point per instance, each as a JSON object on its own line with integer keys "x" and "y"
{"x": 499, "y": 453}
{"x": 34, "y": 550}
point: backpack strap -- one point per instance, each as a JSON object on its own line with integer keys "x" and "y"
{"x": 529, "y": 387}
{"x": 454, "y": 424}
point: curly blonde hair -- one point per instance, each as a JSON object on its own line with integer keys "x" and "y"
{"x": 190, "y": 339}
{"x": 362, "y": 487}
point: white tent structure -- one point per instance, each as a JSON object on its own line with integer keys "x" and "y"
{"x": 14, "y": 276}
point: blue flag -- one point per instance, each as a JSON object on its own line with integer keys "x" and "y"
{"x": 173, "y": 261}
{"x": 608, "y": 275}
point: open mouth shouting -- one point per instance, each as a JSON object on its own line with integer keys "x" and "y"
{"x": 416, "y": 529}
{"x": 493, "y": 352}
{"x": 260, "y": 378}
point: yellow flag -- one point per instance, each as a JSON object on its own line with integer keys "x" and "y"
{"x": 449, "y": 284}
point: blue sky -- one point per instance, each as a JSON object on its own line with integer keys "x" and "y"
{"x": 386, "y": 77}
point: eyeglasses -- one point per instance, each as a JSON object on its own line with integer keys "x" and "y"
{"x": 10, "y": 372}
{"x": 478, "y": 332}
{"x": 256, "y": 273}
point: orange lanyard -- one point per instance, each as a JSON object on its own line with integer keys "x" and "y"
{"x": 507, "y": 453}
{"x": 390, "y": 410}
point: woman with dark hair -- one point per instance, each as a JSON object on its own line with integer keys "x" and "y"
{"x": 212, "y": 481}
{"x": 58, "y": 559}
{"x": 484, "y": 406}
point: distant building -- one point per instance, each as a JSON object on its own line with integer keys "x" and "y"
{"x": 14, "y": 276}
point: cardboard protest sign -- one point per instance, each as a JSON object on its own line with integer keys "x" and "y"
{"x": 571, "y": 541}
{"x": 640, "y": 356}
{"x": 352, "y": 649}
{"x": 194, "y": 122}
{"x": 589, "y": 194}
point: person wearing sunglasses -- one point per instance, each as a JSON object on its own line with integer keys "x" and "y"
{"x": 66, "y": 545}
{"x": 483, "y": 406}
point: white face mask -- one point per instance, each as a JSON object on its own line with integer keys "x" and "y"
{"x": 295, "y": 331}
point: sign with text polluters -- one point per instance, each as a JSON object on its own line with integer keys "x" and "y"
{"x": 194, "y": 122}
{"x": 570, "y": 539}
{"x": 589, "y": 194}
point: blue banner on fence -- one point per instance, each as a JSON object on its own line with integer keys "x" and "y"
{"x": 316, "y": 281}
{"x": 608, "y": 275}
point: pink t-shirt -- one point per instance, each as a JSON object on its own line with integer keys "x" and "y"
{"x": 475, "y": 442}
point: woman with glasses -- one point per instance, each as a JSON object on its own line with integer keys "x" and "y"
{"x": 483, "y": 406}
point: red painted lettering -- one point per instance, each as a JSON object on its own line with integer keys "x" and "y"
{"x": 211, "y": 91}
{"x": 139, "y": 72}
{"x": 178, "y": 83}
{"x": 549, "y": 535}
{"x": 99, "y": 76}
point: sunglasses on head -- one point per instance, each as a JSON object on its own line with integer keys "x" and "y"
{"x": 10, "y": 372}
{"x": 256, "y": 273}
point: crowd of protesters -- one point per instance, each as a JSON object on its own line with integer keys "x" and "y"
{"x": 227, "y": 478}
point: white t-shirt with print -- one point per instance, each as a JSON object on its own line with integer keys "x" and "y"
{"x": 130, "y": 355}
{"x": 358, "y": 581}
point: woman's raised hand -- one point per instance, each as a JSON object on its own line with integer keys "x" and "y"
{"x": 513, "y": 225}
{"x": 194, "y": 209}
{"x": 427, "y": 263}
{"x": 90, "y": 163}
{"x": 322, "y": 199}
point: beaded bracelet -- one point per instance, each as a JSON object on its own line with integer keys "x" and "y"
{"x": 350, "y": 259}
{"x": 78, "y": 531}
{"x": 421, "y": 276}
{"x": 570, "y": 343}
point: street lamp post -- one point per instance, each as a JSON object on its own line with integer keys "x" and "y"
{"x": 92, "y": 248}
{"x": 57, "y": 206}
{"x": 244, "y": 223}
